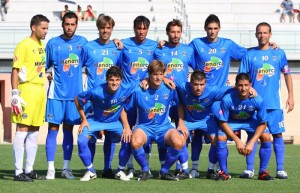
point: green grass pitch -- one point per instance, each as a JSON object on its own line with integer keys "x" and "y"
{"x": 236, "y": 164}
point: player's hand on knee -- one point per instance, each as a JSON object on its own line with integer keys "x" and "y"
{"x": 83, "y": 124}
{"x": 240, "y": 147}
{"x": 248, "y": 148}
{"x": 126, "y": 135}
{"x": 17, "y": 102}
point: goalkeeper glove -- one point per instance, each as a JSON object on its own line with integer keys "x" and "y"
{"x": 17, "y": 102}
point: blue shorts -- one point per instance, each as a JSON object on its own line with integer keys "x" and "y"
{"x": 62, "y": 111}
{"x": 249, "y": 127}
{"x": 208, "y": 124}
{"x": 115, "y": 129}
{"x": 155, "y": 134}
{"x": 275, "y": 121}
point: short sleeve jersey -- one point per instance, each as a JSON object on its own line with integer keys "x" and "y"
{"x": 153, "y": 105}
{"x": 136, "y": 58}
{"x": 98, "y": 58}
{"x": 265, "y": 68}
{"x": 177, "y": 60}
{"x": 213, "y": 58}
{"x": 107, "y": 107}
{"x": 287, "y": 5}
{"x": 199, "y": 107}
{"x": 30, "y": 59}
{"x": 65, "y": 57}
{"x": 237, "y": 110}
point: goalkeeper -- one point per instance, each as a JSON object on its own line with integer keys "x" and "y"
{"x": 28, "y": 97}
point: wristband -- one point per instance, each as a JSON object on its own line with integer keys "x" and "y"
{"x": 15, "y": 92}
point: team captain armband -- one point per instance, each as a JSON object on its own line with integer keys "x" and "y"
{"x": 286, "y": 70}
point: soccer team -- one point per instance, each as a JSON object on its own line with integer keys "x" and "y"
{"x": 133, "y": 89}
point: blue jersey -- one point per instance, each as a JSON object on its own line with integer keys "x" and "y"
{"x": 136, "y": 58}
{"x": 213, "y": 58}
{"x": 107, "y": 107}
{"x": 265, "y": 68}
{"x": 197, "y": 108}
{"x": 153, "y": 106}
{"x": 177, "y": 59}
{"x": 233, "y": 109}
{"x": 64, "y": 56}
{"x": 97, "y": 58}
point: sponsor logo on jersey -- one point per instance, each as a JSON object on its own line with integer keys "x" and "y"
{"x": 73, "y": 60}
{"x": 141, "y": 64}
{"x": 113, "y": 109}
{"x": 40, "y": 64}
{"x": 214, "y": 63}
{"x": 267, "y": 70}
{"x": 195, "y": 107}
{"x": 104, "y": 65}
{"x": 241, "y": 116}
{"x": 157, "y": 109}
{"x": 176, "y": 64}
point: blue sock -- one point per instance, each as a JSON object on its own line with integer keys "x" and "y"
{"x": 183, "y": 158}
{"x": 162, "y": 151}
{"x": 212, "y": 154}
{"x": 148, "y": 148}
{"x": 84, "y": 151}
{"x": 265, "y": 153}
{"x": 51, "y": 144}
{"x": 68, "y": 143}
{"x": 171, "y": 157}
{"x": 222, "y": 153}
{"x": 278, "y": 144}
{"x": 196, "y": 145}
{"x": 124, "y": 155}
{"x": 109, "y": 151}
{"x": 250, "y": 159}
{"x": 92, "y": 148}
{"x": 140, "y": 157}
{"x": 177, "y": 165}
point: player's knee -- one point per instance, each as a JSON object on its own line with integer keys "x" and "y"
{"x": 265, "y": 137}
{"x": 177, "y": 143}
{"x": 82, "y": 140}
{"x": 222, "y": 138}
{"x": 136, "y": 142}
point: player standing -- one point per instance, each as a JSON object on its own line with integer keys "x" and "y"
{"x": 137, "y": 53}
{"x": 28, "y": 96}
{"x": 63, "y": 54}
{"x": 213, "y": 55}
{"x": 98, "y": 56}
{"x": 265, "y": 66}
